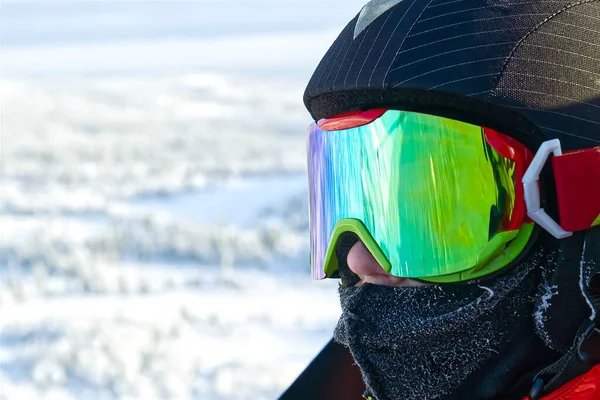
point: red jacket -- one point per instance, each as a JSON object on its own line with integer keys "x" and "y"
{"x": 585, "y": 387}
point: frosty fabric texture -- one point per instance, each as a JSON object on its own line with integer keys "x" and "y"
{"x": 428, "y": 342}
{"x": 562, "y": 304}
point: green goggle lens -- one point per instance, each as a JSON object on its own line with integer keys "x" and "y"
{"x": 432, "y": 198}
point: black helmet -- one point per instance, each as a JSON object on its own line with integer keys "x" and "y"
{"x": 537, "y": 61}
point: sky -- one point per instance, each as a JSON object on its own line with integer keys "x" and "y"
{"x": 45, "y": 37}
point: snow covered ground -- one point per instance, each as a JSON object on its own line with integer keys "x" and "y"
{"x": 153, "y": 226}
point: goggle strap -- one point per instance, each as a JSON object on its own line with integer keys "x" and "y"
{"x": 577, "y": 176}
{"x": 532, "y": 189}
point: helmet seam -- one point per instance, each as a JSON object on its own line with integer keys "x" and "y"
{"x": 494, "y": 91}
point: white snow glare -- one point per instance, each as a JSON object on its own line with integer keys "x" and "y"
{"x": 153, "y": 226}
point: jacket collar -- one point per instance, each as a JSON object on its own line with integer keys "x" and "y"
{"x": 584, "y": 387}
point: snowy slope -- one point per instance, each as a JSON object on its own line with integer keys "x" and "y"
{"x": 153, "y": 227}
{"x": 154, "y": 248}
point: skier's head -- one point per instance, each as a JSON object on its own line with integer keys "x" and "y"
{"x": 429, "y": 114}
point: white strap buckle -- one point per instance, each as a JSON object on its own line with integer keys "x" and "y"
{"x": 532, "y": 189}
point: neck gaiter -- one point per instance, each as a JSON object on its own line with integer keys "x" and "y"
{"x": 444, "y": 342}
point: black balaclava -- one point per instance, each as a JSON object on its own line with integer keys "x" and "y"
{"x": 479, "y": 340}
{"x": 525, "y": 68}
{"x": 474, "y": 341}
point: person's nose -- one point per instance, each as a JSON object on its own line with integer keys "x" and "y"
{"x": 362, "y": 263}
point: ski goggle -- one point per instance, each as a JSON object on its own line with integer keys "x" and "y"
{"x": 431, "y": 198}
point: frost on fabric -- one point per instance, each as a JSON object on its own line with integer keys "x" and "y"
{"x": 585, "y": 273}
{"x": 490, "y": 291}
{"x": 549, "y": 291}
{"x": 387, "y": 329}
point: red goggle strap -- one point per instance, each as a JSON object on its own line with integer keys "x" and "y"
{"x": 577, "y": 176}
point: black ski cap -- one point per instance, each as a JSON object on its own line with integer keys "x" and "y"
{"x": 534, "y": 64}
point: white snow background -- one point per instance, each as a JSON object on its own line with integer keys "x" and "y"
{"x": 153, "y": 226}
